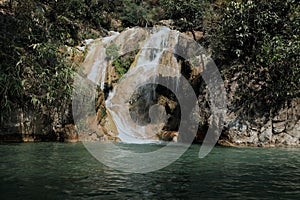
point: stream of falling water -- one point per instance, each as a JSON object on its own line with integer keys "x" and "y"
{"x": 149, "y": 65}
{"x": 98, "y": 58}
{"x": 156, "y": 57}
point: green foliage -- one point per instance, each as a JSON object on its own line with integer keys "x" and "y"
{"x": 112, "y": 51}
{"x": 138, "y": 13}
{"x": 122, "y": 65}
{"x": 258, "y": 41}
{"x": 48, "y": 76}
{"x": 35, "y": 68}
{"x": 280, "y": 55}
{"x": 134, "y": 13}
{"x": 187, "y": 14}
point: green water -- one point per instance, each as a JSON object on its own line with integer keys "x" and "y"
{"x": 68, "y": 171}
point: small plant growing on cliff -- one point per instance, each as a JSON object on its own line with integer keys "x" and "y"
{"x": 112, "y": 51}
{"x": 123, "y": 63}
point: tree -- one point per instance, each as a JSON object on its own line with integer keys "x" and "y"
{"x": 259, "y": 40}
{"x": 188, "y": 15}
{"x": 139, "y": 13}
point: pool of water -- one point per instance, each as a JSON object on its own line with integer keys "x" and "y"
{"x": 68, "y": 171}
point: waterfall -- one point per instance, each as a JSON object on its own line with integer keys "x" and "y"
{"x": 97, "y": 56}
{"x": 155, "y": 57}
{"x": 149, "y": 64}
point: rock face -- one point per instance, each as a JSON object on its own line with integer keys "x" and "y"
{"x": 278, "y": 127}
{"x": 30, "y": 126}
{"x": 127, "y": 67}
{"x": 151, "y": 108}
{"x": 279, "y": 130}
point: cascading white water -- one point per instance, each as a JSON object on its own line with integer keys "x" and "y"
{"x": 150, "y": 63}
{"x": 97, "y": 56}
{"x": 155, "y": 58}
{"x": 155, "y": 63}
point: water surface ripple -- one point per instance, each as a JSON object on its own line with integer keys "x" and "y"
{"x": 68, "y": 171}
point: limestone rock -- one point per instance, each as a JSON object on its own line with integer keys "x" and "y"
{"x": 169, "y": 23}
{"x": 295, "y": 132}
{"x": 169, "y": 136}
{"x": 284, "y": 139}
{"x": 279, "y": 127}
{"x": 266, "y": 135}
{"x": 198, "y": 34}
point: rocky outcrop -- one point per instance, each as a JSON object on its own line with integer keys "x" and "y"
{"x": 32, "y": 126}
{"x": 261, "y": 125}
{"x": 68, "y": 133}
{"x": 152, "y": 103}
{"x": 282, "y": 129}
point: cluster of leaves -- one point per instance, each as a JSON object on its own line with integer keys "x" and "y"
{"x": 123, "y": 63}
{"x": 36, "y": 68}
{"x": 188, "y": 15}
{"x": 258, "y": 42}
{"x": 112, "y": 51}
{"x": 138, "y": 13}
{"x": 47, "y": 75}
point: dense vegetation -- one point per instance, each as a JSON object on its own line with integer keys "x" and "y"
{"x": 255, "y": 40}
{"x": 258, "y": 41}
{"x": 36, "y": 67}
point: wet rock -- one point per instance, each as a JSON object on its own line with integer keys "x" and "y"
{"x": 169, "y": 136}
{"x": 225, "y": 143}
{"x": 110, "y": 127}
{"x": 277, "y": 128}
{"x": 68, "y": 133}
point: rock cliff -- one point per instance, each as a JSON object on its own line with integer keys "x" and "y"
{"x": 153, "y": 107}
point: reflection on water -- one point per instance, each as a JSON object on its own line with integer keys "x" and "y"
{"x": 68, "y": 171}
